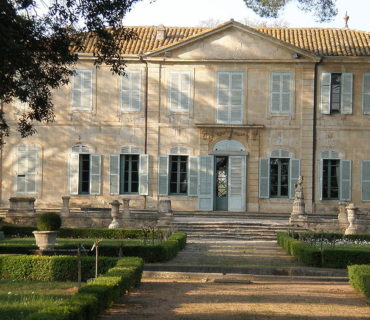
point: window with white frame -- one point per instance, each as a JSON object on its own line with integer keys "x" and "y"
{"x": 366, "y": 93}
{"x": 336, "y": 93}
{"x": 131, "y": 91}
{"x": 281, "y": 92}
{"x": 84, "y": 171}
{"x": 179, "y": 91}
{"x": 230, "y": 97}
{"x": 129, "y": 171}
{"x": 82, "y": 90}
{"x": 27, "y": 169}
{"x": 278, "y": 174}
{"x": 335, "y": 176}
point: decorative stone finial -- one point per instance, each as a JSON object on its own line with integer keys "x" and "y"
{"x": 346, "y": 18}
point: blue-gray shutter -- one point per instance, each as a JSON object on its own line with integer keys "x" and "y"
{"x": 205, "y": 181}
{"x": 144, "y": 174}
{"x": 114, "y": 172}
{"x": 346, "y": 92}
{"x": 223, "y": 97}
{"x": 236, "y": 97}
{"x": 345, "y": 180}
{"x": 74, "y": 164}
{"x": 95, "y": 174}
{"x": 325, "y": 92}
{"x": 365, "y": 180}
{"x": 321, "y": 178}
{"x": 294, "y": 173}
{"x": 366, "y": 93}
{"x": 131, "y": 91}
{"x": 82, "y": 90}
{"x": 264, "y": 183}
{"x": 163, "y": 176}
{"x": 237, "y": 183}
{"x": 193, "y": 176}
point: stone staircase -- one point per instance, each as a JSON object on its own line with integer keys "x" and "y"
{"x": 231, "y": 226}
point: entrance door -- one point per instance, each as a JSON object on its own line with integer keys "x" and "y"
{"x": 221, "y": 176}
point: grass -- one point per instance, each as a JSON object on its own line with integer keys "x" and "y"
{"x": 20, "y": 298}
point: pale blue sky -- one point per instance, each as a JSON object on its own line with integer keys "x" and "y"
{"x": 192, "y": 12}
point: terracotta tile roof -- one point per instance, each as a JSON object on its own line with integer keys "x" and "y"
{"x": 322, "y": 42}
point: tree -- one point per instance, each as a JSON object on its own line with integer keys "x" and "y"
{"x": 324, "y": 10}
{"x": 35, "y": 55}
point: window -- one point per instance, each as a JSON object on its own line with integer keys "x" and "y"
{"x": 335, "y": 177}
{"x": 279, "y": 178}
{"x": 178, "y": 174}
{"x": 336, "y": 93}
{"x": 82, "y": 90}
{"x": 84, "y": 171}
{"x": 278, "y": 174}
{"x": 365, "y": 180}
{"x": 230, "y": 97}
{"x": 179, "y": 91}
{"x": 27, "y": 169}
{"x": 280, "y": 92}
{"x": 131, "y": 91}
{"x": 366, "y": 93}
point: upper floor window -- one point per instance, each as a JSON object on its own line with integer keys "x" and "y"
{"x": 27, "y": 169}
{"x": 82, "y": 89}
{"x": 179, "y": 91}
{"x": 281, "y": 92}
{"x": 131, "y": 91}
{"x": 230, "y": 97}
{"x": 336, "y": 93}
{"x": 366, "y": 93}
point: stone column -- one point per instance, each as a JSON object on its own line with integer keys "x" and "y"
{"x": 126, "y": 208}
{"x": 65, "y": 209}
{"x": 354, "y": 227}
{"x": 115, "y": 215}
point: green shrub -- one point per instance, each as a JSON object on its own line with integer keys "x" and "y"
{"x": 343, "y": 257}
{"x": 359, "y": 277}
{"x": 97, "y": 295}
{"x": 49, "y": 221}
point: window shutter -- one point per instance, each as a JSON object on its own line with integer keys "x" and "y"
{"x": 21, "y": 178}
{"x": 325, "y": 92}
{"x": 95, "y": 173}
{"x": 163, "y": 176}
{"x": 32, "y": 165}
{"x": 206, "y": 190}
{"x": 144, "y": 174}
{"x": 346, "y": 90}
{"x": 74, "y": 163}
{"x": 185, "y": 91}
{"x": 114, "y": 173}
{"x": 275, "y": 83}
{"x": 131, "y": 91}
{"x": 286, "y": 92}
{"x": 366, "y": 93}
{"x": 236, "y": 98}
{"x": 27, "y": 166}
{"x": 365, "y": 180}
{"x": 264, "y": 187}
{"x": 179, "y": 91}
{"x": 321, "y": 178}
{"x": 82, "y": 90}
{"x": 345, "y": 180}
{"x": 193, "y": 176}
{"x": 223, "y": 98}
{"x": 236, "y": 183}
{"x": 294, "y": 173}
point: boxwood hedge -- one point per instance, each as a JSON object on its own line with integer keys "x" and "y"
{"x": 359, "y": 277}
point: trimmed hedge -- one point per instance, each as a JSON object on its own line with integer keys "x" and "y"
{"x": 330, "y": 236}
{"x": 328, "y": 257}
{"x": 359, "y": 278}
{"x": 149, "y": 253}
{"x": 87, "y": 233}
{"x": 55, "y": 268}
{"x": 97, "y": 295}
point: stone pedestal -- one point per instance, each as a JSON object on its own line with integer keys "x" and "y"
{"x": 21, "y": 206}
{"x": 165, "y": 207}
{"x": 65, "y": 209}
{"x": 126, "y": 208}
{"x": 342, "y": 216}
{"x": 115, "y": 215}
{"x": 352, "y": 214}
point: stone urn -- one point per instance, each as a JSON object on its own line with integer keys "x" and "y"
{"x": 353, "y": 227}
{"x": 45, "y": 240}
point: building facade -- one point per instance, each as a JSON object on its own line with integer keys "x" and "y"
{"x": 214, "y": 119}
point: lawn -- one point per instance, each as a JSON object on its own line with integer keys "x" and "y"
{"x": 20, "y": 298}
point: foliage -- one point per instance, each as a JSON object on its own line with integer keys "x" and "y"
{"x": 359, "y": 277}
{"x": 96, "y": 295}
{"x": 323, "y": 10}
{"x": 36, "y": 56}
{"x": 49, "y": 221}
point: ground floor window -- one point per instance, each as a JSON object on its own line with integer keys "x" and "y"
{"x": 279, "y": 178}
{"x": 129, "y": 173}
{"x": 178, "y": 166}
{"x": 330, "y": 179}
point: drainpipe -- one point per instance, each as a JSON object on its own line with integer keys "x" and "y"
{"x": 145, "y": 111}
{"x": 314, "y": 134}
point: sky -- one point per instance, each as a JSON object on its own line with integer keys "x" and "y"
{"x": 194, "y": 12}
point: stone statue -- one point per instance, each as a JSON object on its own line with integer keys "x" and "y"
{"x": 298, "y": 188}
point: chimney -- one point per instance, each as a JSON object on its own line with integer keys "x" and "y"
{"x": 161, "y": 32}
{"x": 346, "y": 18}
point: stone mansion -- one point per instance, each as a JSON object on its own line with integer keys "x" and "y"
{"x": 214, "y": 119}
